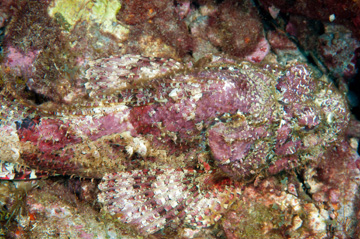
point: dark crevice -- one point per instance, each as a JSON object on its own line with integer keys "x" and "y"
{"x": 305, "y": 187}
{"x": 266, "y": 19}
{"x": 2, "y": 35}
{"x": 35, "y": 97}
{"x": 26, "y": 123}
{"x": 354, "y": 95}
{"x": 195, "y": 4}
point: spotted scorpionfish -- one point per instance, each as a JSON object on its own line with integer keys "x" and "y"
{"x": 170, "y": 141}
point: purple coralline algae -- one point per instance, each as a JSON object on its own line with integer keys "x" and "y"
{"x": 339, "y": 51}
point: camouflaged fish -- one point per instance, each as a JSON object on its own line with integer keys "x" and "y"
{"x": 142, "y": 123}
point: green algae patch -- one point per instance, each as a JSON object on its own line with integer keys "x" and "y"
{"x": 100, "y": 12}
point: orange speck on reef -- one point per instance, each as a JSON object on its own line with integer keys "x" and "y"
{"x": 151, "y": 13}
{"x": 335, "y": 206}
{"x": 247, "y": 40}
{"x": 7, "y": 70}
{"x": 206, "y": 166}
{"x": 119, "y": 215}
{"x": 32, "y": 217}
{"x": 19, "y": 233}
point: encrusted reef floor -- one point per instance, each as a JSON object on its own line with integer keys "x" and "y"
{"x": 178, "y": 119}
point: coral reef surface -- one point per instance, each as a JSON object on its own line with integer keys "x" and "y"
{"x": 179, "y": 119}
